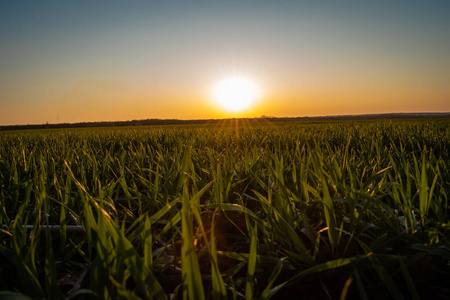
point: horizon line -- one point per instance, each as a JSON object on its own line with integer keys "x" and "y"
{"x": 416, "y": 114}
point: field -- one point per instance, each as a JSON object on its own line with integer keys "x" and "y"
{"x": 330, "y": 210}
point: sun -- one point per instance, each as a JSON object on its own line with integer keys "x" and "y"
{"x": 235, "y": 93}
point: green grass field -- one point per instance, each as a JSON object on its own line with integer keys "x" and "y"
{"x": 330, "y": 210}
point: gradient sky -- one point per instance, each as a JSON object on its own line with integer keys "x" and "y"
{"x": 77, "y": 61}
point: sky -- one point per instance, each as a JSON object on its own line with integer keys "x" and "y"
{"x": 81, "y": 61}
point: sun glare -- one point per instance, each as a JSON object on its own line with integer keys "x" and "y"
{"x": 235, "y": 93}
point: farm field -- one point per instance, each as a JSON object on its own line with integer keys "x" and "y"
{"x": 326, "y": 210}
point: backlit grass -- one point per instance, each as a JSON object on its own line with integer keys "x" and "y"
{"x": 306, "y": 210}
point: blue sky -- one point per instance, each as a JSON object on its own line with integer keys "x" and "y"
{"x": 116, "y": 60}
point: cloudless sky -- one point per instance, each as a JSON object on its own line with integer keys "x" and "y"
{"x": 76, "y": 61}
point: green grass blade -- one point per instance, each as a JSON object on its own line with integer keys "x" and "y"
{"x": 382, "y": 273}
{"x": 190, "y": 269}
{"x": 218, "y": 286}
{"x": 250, "y": 280}
{"x": 423, "y": 190}
{"x": 333, "y": 264}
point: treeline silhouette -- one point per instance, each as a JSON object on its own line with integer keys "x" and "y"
{"x": 149, "y": 122}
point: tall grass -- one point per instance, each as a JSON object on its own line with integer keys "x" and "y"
{"x": 311, "y": 210}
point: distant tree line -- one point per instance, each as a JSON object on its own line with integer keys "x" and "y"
{"x": 263, "y": 118}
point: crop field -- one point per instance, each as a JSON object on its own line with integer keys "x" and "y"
{"x": 330, "y": 210}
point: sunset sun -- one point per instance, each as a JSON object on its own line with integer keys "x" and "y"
{"x": 235, "y": 93}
